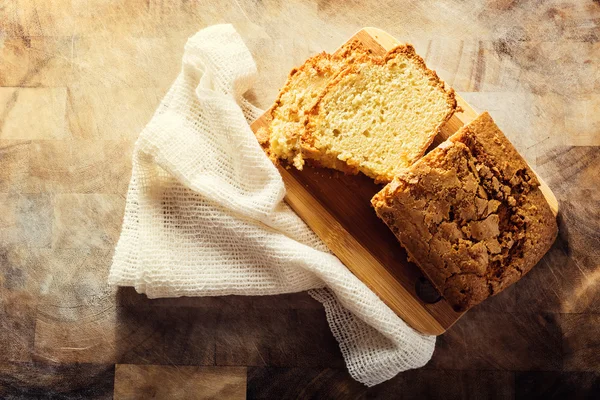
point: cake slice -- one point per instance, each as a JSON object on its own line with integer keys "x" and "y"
{"x": 470, "y": 214}
{"x": 299, "y": 95}
{"x": 378, "y": 117}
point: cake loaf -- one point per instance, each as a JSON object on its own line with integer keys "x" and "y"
{"x": 470, "y": 214}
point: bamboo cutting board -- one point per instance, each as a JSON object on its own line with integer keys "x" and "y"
{"x": 337, "y": 208}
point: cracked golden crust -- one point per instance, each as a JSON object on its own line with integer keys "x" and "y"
{"x": 470, "y": 214}
{"x": 307, "y": 140}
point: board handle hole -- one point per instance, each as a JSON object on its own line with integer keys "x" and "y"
{"x": 426, "y": 291}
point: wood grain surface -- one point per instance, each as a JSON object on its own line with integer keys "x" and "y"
{"x": 79, "y": 80}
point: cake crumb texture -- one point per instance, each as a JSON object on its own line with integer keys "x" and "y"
{"x": 356, "y": 112}
{"x": 380, "y": 116}
{"x": 299, "y": 95}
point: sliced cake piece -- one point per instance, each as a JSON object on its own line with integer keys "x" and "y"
{"x": 299, "y": 95}
{"x": 378, "y": 117}
{"x": 470, "y": 214}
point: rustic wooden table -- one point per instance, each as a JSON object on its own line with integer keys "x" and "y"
{"x": 78, "y": 81}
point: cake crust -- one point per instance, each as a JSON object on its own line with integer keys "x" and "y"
{"x": 470, "y": 214}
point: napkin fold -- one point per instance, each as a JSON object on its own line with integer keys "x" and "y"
{"x": 205, "y": 215}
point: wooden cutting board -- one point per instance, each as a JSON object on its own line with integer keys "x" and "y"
{"x": 337, "y": 208}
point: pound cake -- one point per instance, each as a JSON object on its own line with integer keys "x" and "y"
{"x": 299, "y": 95}
{"x": 378, "y": 117}
{"x": 356, "y": 112}
{"x": 470, "y": 214}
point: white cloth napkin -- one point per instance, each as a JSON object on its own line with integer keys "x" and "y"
{"x": 205, "y": 215}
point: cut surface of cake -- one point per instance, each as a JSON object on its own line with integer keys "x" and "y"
{"x": 299, "y": 95}
{"x": 470, "y": 214}
{"x": 378, "y": 117}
